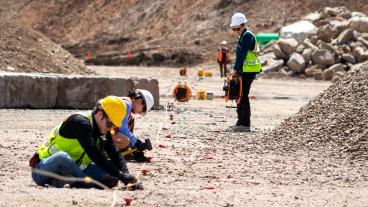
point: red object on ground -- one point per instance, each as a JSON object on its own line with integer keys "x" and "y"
{"x": 144, "y": 172}
{"x": 89, "y": 55}
{"x": 130, "y": 54}
{"x": 128, "y": 200}
{"x": 209, "y": 158}
{"x": 161, "y": 145}
{"x": 168, "y": 135}
{"x": 210, "y": 188}
{"x": 149, "y": 159}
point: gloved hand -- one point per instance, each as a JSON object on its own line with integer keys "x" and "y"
{"x": 141, "y": 146}
{"x": 127, "y": 178}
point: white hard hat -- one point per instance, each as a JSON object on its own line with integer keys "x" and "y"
{"x": 224, "y": 42}
{"x": 148, "y": 99}
{"x": 237, "y": 19}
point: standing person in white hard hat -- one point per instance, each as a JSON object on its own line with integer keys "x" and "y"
{"x": 223, "y": 58}
{"x": 246, "y": 65}
{"x": 138, "y": 102}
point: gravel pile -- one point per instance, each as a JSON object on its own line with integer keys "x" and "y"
{"x": 334, "y": 123}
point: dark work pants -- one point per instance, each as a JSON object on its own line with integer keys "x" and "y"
{"x": 243, "y": 108}
{"x": 223, "y": 69}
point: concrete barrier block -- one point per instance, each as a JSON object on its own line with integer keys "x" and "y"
{"x": 27, "y": 90}
{"x": 83, "y": 92}
{"x": 150, "y": 85}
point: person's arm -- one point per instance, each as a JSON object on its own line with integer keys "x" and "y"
{"x": 118, "y": 160}
{"x": 242, "y": 49}
{"x": 124, "y": 130}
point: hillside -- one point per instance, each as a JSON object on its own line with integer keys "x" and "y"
{"x": 183, "y": 32}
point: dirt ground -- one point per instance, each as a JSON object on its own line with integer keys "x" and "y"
{"x": 201, "y": 153}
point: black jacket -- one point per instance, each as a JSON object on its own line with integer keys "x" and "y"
{"x": 78, "y": 126}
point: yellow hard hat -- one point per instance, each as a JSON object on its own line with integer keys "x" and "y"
{"x": 115, "y": 109}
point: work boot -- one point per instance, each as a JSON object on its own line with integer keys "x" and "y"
{"x": 241, "y": 128}
{"x": 139, "y": 157}
{"x": 107, "y": 180}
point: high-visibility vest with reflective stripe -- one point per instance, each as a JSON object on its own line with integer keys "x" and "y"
{"x": 56, "y": 143}
{"x": 251, "y": 62}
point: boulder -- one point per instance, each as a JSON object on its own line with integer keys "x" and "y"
{"x": 348, "y": 58}
{"x": 327, "y": 74}
{"x": 345, "y": 36}
{"x": 358, "y": 14}
{"x": 360, "y": 55}
{"x": 288, "y": 46}
{"x": 327, "y": 46}
{"x": 312, "y": 17}
{"x": 327, "y": 33}
{"x": 318, "y": 75}
{"x": 314, "y": 39}
{"x": 339, "y": 26}
{"x": 296, "y": 63}
{"x": 298, "y": 30}
{"x": 331, "y": 11}
{"x": 337, "y": 68}
{"x": 300, "y": 48}
{"x": 323, "y": 57}
{"x": 354, "y": 45}
{"x": 279, "y": 53}
{"x": 273, "y": 65}
{"x": 359, "y": 23}
{"x": 265, "y": 58}
{"x": 307, "y": 54}
{"x": 309, "y": 72}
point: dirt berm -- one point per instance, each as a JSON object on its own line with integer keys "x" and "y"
{"x": 25, "y": 50}
{"x": 179, "y": 28}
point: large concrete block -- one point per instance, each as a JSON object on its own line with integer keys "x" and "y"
{"x": 27, "y": 90}
{"x": 151, "y": 86}
{"x": 83, "y": 92}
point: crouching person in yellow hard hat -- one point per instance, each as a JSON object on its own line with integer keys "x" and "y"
{"x": 82, "y": 146}
{"x": 138, "y": 102}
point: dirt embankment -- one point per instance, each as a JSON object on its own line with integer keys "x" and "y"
{"x": 184, "y": 32}
{"x": 25, "y": 50}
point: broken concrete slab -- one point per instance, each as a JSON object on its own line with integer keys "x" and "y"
{"x": 30, "y": 90}
{"x": 298, "y": 30}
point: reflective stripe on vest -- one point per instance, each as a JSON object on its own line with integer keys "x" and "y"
{"x": 55, "y": 143}
{"x": 251, "y": 62}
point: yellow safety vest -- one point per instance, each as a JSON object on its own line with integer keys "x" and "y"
{"x": 56, "y": 143}
{"x": 251, "y": 62}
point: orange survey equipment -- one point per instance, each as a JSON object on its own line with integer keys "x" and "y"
{"x": 182, "y": 92}
{"x": 233, "y": 88}
{"x": 183, "y": 71}
{"x": 219, "y": 56}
